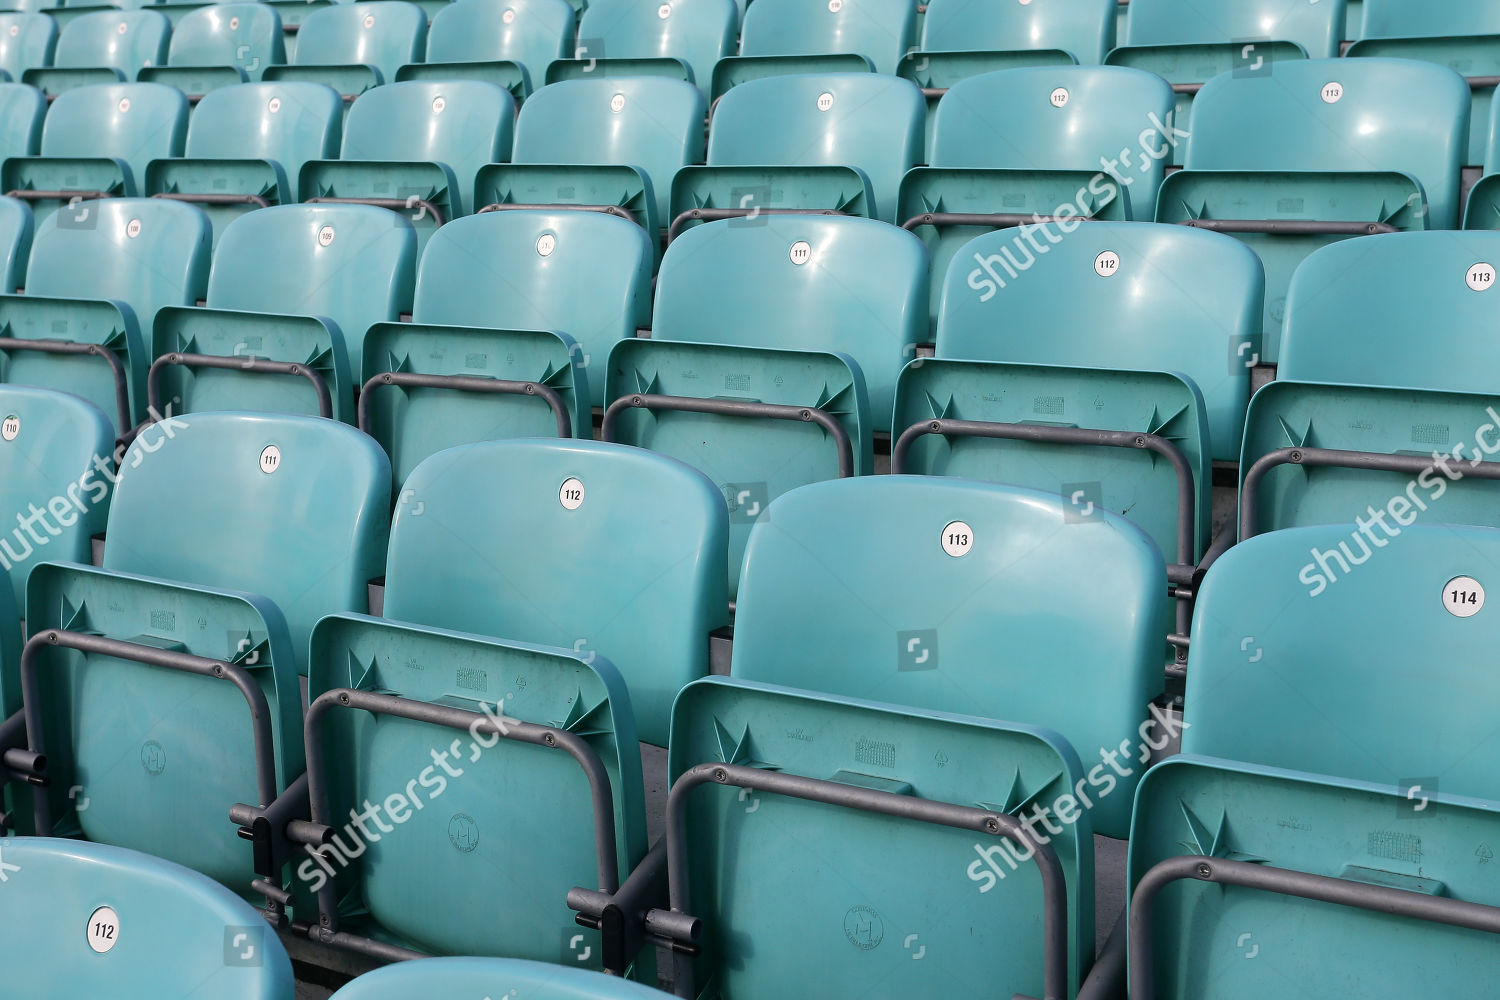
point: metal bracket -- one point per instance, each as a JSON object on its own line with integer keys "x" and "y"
{"x": 1291, "y": 227}
{"x": 621, "y": 916}
{"x": 616, "y": 210}
{"x": 33, "y": 194}
{"x": 995, "y": 220}
{"x": 260, "y": 366}
{"x": 466, "y": 383}
{"x": 122, "y": 389}
{"x": 716, "y": 214}
{"x": 206, "y": 198}
{"x": 395, "y": 204}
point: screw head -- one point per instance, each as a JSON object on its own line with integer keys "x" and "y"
{"x": 1204, "y": 871}
{"x": 720, "y": 774}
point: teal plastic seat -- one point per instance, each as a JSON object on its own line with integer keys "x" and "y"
{"x": 793, "y": 36}
{"x": 1328, "y": 149}
{"x": 415, "y": 148}
{"x": 96, "y": 142}
{"x": 246, "y": 145}
{"x": 22, "y": 109}
{"x": 220, "y": 46}
{"x": 1054, "y": 142}
{"x": 292, "y": 284}
{"x": 461, "y": 976}
{"x": 833, "y": 142}
{"x": 506, "y": 42}
{"x": 293, "y": 13}
{"x": 812, "y": 314}
{"x": 234, "y": 580}
{"x": 1355, "y": 378}
{"x": 355, "y": 46}
{"x": 97, "y": 275}
{"x": 16, "y": 229}
{"x": 1026, "y": 338}
{"x": 26, "y": 40}
{"x": 104, "y": 46}
{"x": 108, "y": 922}
{"x": 1482, "y": 210}
{"x": 681, "y": 39}
{"x": 1463, "y": 35}
{"x": 489, "y": 304}
{"x": 574, "y": 148}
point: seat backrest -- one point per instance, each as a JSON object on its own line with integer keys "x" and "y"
{"x": 26, "y": 41}
{"x": 530, "y": 32}
{"x": 875, "y": 123}
{"x": 1403, "y": 19}
{"x": 1061, "y": 118}
{"x": 247, "y": 35}
{"x": 479, "y": 976}
{"x": 123, "y": 39}
{"x": 1085, "y": 28}
{"x": 144, "y": 252}
{"x": 462, "y": 123}
{"x": 1318, "y": 28}
{"x": 386, "y": 34}
{"x": 804, "y": 282}
{"x": 525, "y": 564}
{"x": 1174, "y": 299}
{"x": 101, "y": 919}
{"x": 48, "y": 443}
{"x": 291, "y": 508}
{"x": 1400, "y": 309}
{"x": 1009, "y": 578}
{"x": 16, "y": 230}
{"x": 352, "y": 264}
{"x": 699, "y": 32}
{"x": 880, "y": 30}
{"x": 1385, "y": 115}
{"x": 133, "y": 122}
{"x": 289, "y": 123}
{"x": 22, "y": 110}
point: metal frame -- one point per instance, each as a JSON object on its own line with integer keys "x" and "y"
{"x": 996, "y": 220}
{"x": 261, "y": 366}
{"x": 394, "y": 204}
{"x": 1317, "y": 458}
{"x": 32, "y": 194}
{"x": 679, "y": 931}
{"x": 206, "y": 198}
{"x": 1291, "y": 227}
{"x": 507, "y": 206}
{"x": 465, "y": 383}
{"x": 1322, "y": 888}
{"x": 122, "y": 384}
{"x": 317, "y": 832}
{"x": 717, "y": 214}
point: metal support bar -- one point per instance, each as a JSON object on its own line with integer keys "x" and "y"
{"x": 1481, "y": 82}
{"x": 1322, "y": 888}
{"x": 617, "y": 210}
{"x": 995, "y": 220}
{"x": 206, "y": 198}
{"x": 466, "y": 383}
{"x": 1106, "y": 980}
{"x": 17, "y": 763}
{"x": 395, "y": 204}
{"x": 621, "y": 916}
{"x": 361, "y": 945}
{"x": 1291, "y": 227}
{"x": 734, "y": 408}
{"x": 716, "y": 214}
{"x": 266, "y": 827}
{"x": 32, "y": 194}
{"x": 1186, "y": 88}
{"x": 116, "y": 368}
{"x": 260, "y": 366}
{"x": 1411, "y": 465}
{"x": 905, "y": 807}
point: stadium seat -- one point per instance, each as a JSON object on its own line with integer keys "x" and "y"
{"x": 1334, "y": 435}
{"x": 98, "y": 273}
{"x": 506, "y": 42}
{"x": 101, "y": 921}
{"x": 415, "y": 148}
{"x": 1297, "y": 724}
{"x": 840, "y": 36}
{"x": 96, "y": 142}
{"x": 681, "y": 39}
{"x": 26, "y": 40}
{"x": 355, "y": 46}
{"x": 105, "y": 46}
{"x": 292, "y": 14}
{"x": 1463, "y": 35}
{"x": 292, "y": 292}
{"x": 245, "y": 147}
{"x": 492, "y": 976}
{"x": 1482, "y": 210}
{"x": 608, "y": 145}
{"x": 283, "y": 523}
{"x": 22, "y": 110}
{"x": 773, "y": 354}
{"x": 220, "y": 46}
{"x": 1189, "y": 43}
{"x": 828, "y": 143}
{"x": 16, "y": 228}
{"x": 1037, "y": 144}
{"x": 1298, "y": 163}
{"x": 509, "y": 307}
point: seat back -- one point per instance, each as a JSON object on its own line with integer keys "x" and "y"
{"x": 286, "y": 123}
{"x": 16, "y": 229}
{"x": 1086, "y": 29}
{"x": 880, "y": 30}
{"x": 530, "y": 32}
{"x": 861, "y": 120}
{"x": 698, "y": 32}
{"x": 247, "y": 35}
{"x": 26, "y": 40}
{"x": 102, "y": 919}
{"x": 123, "y": 39}
{"x": 1317, "y": 28}
{"x": 1397, "y": 19}
{"x": 385, "y": 34}
{"x": 132, "y": 122}
{"x": 462, "y": 976}
{"x": 532, "y": 572}
{"x": 22, "y": 110}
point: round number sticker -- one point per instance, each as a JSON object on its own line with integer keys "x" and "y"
{"x": 835, "y": 5}
{"x": 369, "y": 20}
{"x": 124, "y": 105}
{"x": 270, "y": 459}
{"x": 121, "y": 28}
{"x": 1463, "y": 596}
{"x": 10, "y": 427}
{"x": 234, "y": 24}
{"x": 133, "y": 228}
{"x": 273, "y": 105}
{"x": 509, "y": 17}
{"x": 617, "y": 103}
{"x": 438, "y": 104}
{"x": 571, "y": 494}
{"x": 325, "y": 236}
{"x": 664, "y": 11}
{"x": 1107, "y": 264}
{"x": 1059, "y": 97}
{"x": 1481, "y": 277}
{"x": 15, "y": 29}
{"x": 801, "y": 252}
{"x": 958, "y": 538}
{"x": 1332, "y": 92}
{"x": 545, "y": 244}
{"x": 103, "y": 929}
{"x": 825, "y": 101}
